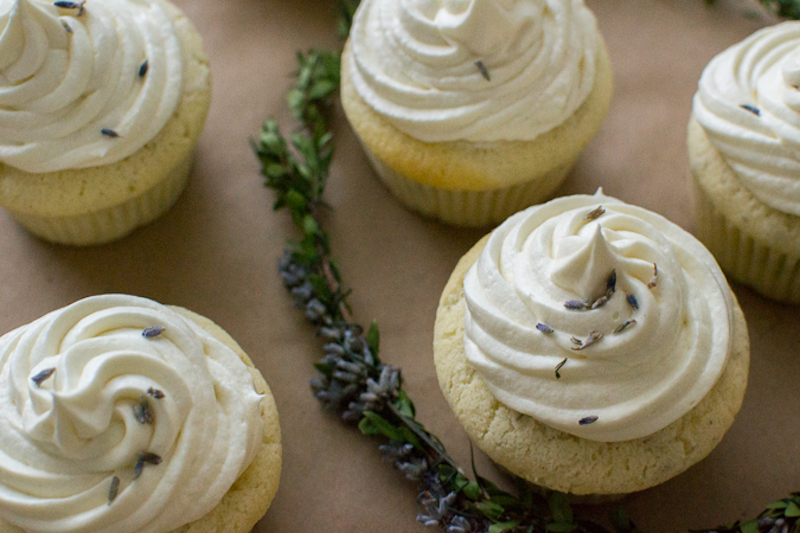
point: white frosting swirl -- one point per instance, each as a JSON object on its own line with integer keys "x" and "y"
{"x": 624, "y": 385}
{"x": 68, "y": 74}
{"x": 414, "y": 62}
{"x": 760, "y": 142}
{"x": 62, "y": 443}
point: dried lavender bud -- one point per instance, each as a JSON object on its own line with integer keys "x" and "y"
{"x": 611, "y": 283}
{"x": 143, "y": 69}
{"x": 576, "y": 340}
{"x": 155, "y": 393}
{"x": 592, "y": 338}
{"x": 334, "y": 348}
{"x": 558, "y": 367}
{"x": 632, "y": 301}
{"x": 622, "y": 327}
{"x": 585, "y": 421}
{"x": 113, "y": 489}
{"x": 42, "y": 376}
{"x": 600, "y": 302}
{"x": 333, "y": 334}
{"x": 145, "y": 458}
{"x": 66, "y": 26}
{"x": 109, "y": 133}
{"x": 484, "y": 71}
{"x": 142, "y": 412}
{"x": 458, "y": 524}
{"x": 66, "y": 4}
{"x": 544, "y": 328}
{"x": 153, "y": 331}
{"x": 412, "y": 470}
{"x": 754, "y": 110}
{"x": 354, "y": 344}
{"x": 315, "y": 309}
{"x": 303, "y": 293}
{"x": 654, "y": 280}
{"x": 575, "y": 305}
{"x": 595, "y": 213}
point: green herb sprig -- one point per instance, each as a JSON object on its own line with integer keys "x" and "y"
{"x": 352, "y": 380}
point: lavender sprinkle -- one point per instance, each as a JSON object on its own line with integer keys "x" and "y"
{"x": 544, "y": 328}
{"x": 153, "y": 331}
{"x": 575, "y": 305}
{"x": 558, "y": 367}
{"x": 142, "y": 412}
{"x": 109, "y": 133}
{"x": 622, "y": 327}
{"x": 611, "y": 283}
{"x": 654, "y": 280}
{"x": 754, "y": 110}
{"x": 595, "y": 213}
{"x": 145, "y": 458}
{"x": 42, "y": 376}
{"x": 632, "y": 301}
{"x": 143, "y": 69}
{"x": 592, "y": 338}
{"x": 585, "y": 421}
{"x": 113, "y": 489}
{"x": 155, "y": 393}
{"x": 484, "y": 71}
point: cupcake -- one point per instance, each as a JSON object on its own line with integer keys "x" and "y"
{"x": 473, "y": 109}
{"x": 121, "y": 415}
{"x": 102, "y": 103}
{"x": 591, "y": 347}
{"x": 744, "y": 150}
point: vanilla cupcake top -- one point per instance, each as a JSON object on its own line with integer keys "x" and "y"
{"x": 597, "y": 318}
{"x": 84, "y": 84}
{"x": 479, "y": 70}
{"x": 119, "y": 415}
{"x": 748, "y": 102}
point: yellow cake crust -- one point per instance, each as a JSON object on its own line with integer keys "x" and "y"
{"x": 251, "y": 494}
{"x": 558, "y": 460}
{"x": 754, "y": 243}
{"x": 40, "y": 200}
{"x": 464, "y": 165}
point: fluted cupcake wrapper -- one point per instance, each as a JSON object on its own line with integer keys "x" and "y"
{"x": 106, "y": 225}
{"x": 464, "y": 207}
{"x": 771, "y": 272}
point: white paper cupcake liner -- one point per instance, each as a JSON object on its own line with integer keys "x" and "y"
{"x": 105, "y": 225}
{"x": 464, "y": 207}
{"x": 773, "y": 273}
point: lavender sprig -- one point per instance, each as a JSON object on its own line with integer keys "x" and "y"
{"x": 353, "y": 382}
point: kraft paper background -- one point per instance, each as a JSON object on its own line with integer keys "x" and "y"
{"x": 216, "y": 253}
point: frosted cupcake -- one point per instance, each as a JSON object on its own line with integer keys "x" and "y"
{"x": 470, "y": 110}
{"x": 120, "y": 415}
{"x": 591, "y": 346}
{"x": 744, "y": 149}
{"x": 101, "y": 104}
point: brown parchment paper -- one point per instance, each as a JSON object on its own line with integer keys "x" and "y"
{"x": 216, "y": 252}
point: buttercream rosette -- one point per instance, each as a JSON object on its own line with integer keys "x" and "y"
{"x": 120, "y": 415}
{"x": 744, "y": 149}
{"x": 86, "y": 84}
{"x": 591, "y": 346}
{"x": 470, "y": 110}
{"x": 101, "y": 105}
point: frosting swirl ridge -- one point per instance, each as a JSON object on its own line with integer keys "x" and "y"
{"x": 84, "y": 85}
{"x": 597, "y": 318}
{"x": 480, "y": 70}
{"x": 120, "y": 391}
{"x": 748, "y": 102}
